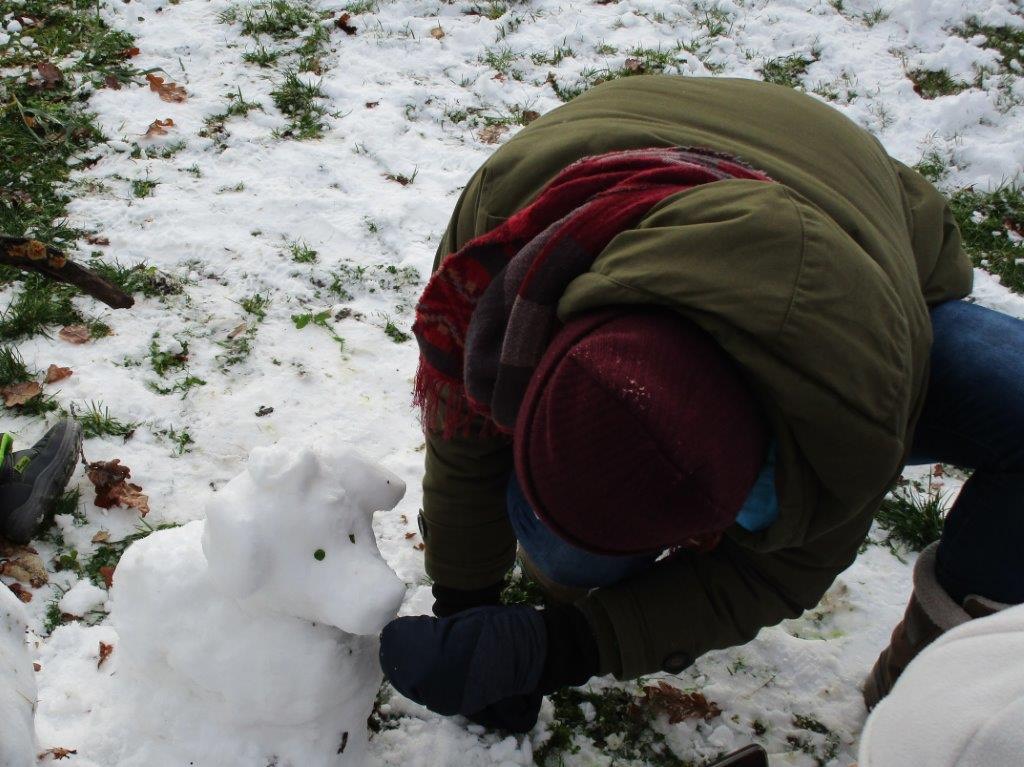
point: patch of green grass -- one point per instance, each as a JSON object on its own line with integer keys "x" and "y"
{"x": 503, "y": 60}
{"x": 43, "y": 128}
{"x": 182, "y": 386}
{"x": 360, "y": 6}
{"x": 262, "y": 56}
{"x": 913, "y": 515}
{"x": 521, "y": 590}
{"x": 382, "y": 717}
{"x": 256, "y": 305}
{"x": 875, "y": 17}
{"x": 301, "y": 103}
{"x": 238, "y": 346}
{"x": 143, "y": 187}
{"x": 109, "y": 553}
{"x": 137, "y": 279}
{"x": 69, "y": 503}
{"x": 165, "y": 360}
{"x": 181, "y": 439}
{"x": 312, "y": 48}
{"x": 215, "y": 126}
{"x": 277, "y": 19}
{"x": 933, "y": 166}
{"x": 301, "y": 253}
{"x": 350, "y": 278}
{"x": 13, "y": 370}
{"x": 40, "y": 304}
{"x": 492, "y": 9}
{"x": 321, "y": 319}
{"x": 53, "y": 618}
{"x": 639, "y": 61}
{"x": 618, "y": 726}
{"x": 557, "y": 55}
{"x": 302, "y": 39}
{"x": 1007, "y": 41}
{"x": 12, "y": 367}
{"x": 933, "y": 83}
{"x": 97, "y": 422}
{"x": 401, "y": 178}
{"x": 392, "y": 331}
{"x": 979, "y": 215}
{"x": 711, "y": 17}
{"x": 822, "y": 744}
{"x": 787, "y": 70}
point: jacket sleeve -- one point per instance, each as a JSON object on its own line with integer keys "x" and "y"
{"x": 468, "y": 541}
{"x": 691, "y": 603}
{"x": 944, "y": 270}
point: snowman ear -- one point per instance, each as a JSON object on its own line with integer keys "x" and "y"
{"x": 369, "y": 486}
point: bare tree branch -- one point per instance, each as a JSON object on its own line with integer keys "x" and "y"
{"x": 35, "y": 256}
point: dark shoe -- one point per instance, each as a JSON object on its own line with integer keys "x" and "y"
{"x": 32, "y": 480}
{"x": 931, "y": 613}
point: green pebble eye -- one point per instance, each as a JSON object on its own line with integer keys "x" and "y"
{"x": 319, "y": 555}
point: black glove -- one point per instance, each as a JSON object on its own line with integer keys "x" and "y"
{"x": 448, "y": 601}
{"x": 491, "y": 664}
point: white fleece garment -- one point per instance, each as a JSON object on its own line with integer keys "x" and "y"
{"x": 961, "y": 702}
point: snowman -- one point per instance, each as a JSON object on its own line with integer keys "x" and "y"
{"x": 256, "y": 630}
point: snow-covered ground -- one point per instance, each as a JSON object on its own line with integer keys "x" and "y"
{"x": 409, "y": 94}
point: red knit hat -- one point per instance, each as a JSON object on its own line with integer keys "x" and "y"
{"x": 637, "y": 434}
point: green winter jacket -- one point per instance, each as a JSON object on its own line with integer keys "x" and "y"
{"x": 818, "y": 286}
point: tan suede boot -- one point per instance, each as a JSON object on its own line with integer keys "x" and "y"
{"x": 931, "y": 613}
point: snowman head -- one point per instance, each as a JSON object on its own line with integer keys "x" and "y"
{"x": 293, "y": 533}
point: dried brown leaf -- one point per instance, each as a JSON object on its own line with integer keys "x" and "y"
{"x": 113, "y": 489}
{"x": 167, "y": 91}
{"x": 20, "y": 393}
{"x": 159, "y": 127}
{"x": 678, "y": 705}
{"x": 95, "y": 239}
{"x": 238, "y": 330}
{"x": 21, "y": 592}
{"x": 101, "y": 537}
{"x": 437, "y": 33}
{"x": 107, "y": 573}
{"x": 75, "y": 334}
{"x": 111, "y": 82}
{"x": 56, "y": 373}
{"x": 529, "y": 116}
{"x": 105, "y": 650}
{"x": 57, "y": 753}
{"x": 23, "y": 564}
{"x": 492, "y": 133}
{"x": 51, "y": 75}
{"x": 634, "y": 66}
{"x": 342, "y": 23}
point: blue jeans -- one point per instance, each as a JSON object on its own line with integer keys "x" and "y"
{"x": 973, "y": 417}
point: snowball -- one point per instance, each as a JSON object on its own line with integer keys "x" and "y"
{"x": 82, "y": 598}
{"x": 17, "y": 686}
{"x": 238, "y": 626}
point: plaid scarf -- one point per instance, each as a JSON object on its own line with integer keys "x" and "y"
{"x": 489, "y": 311}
